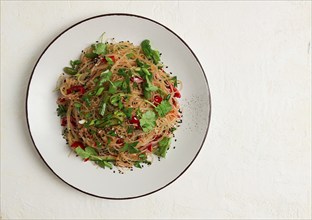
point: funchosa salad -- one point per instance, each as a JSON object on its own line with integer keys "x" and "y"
{"x": 117, "y": 104}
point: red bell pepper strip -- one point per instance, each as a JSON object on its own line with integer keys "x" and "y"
{"x": 79, "y": 89}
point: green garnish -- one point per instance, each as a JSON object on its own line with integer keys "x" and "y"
{"x": 162, "y": 147}
{"x": 70, "y": 71}
{"x": 103, "y": 108}
{"x": 163, "y": 108}
{"x": 61, "y": 110}
{"x": 130, "y": 147}
{"x": 114, "y": 86}
{"x": 105, "y": 76}
{"x": 130, "y": 129}
{"x": 128, "y": 112}
{"x": 99, "y": 91}
{"x": 109, "y": 60}
{"x": 148, "y": 121}
{"x": 99, "y": 49}
{"x": 130, "y": 55}
{"x": 149, "y": 52}
{"x": 112, "y": 133}
{"x": 137, "y": 164}
{"x": 175, "y": 81}
{"x": 91, "y": 55}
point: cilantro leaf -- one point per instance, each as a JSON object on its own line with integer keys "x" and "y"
{"x": 148, "y": 121}
{"x": 163, "y": 146}
{"x": 91, "y": 151}
{"x": 137, "y": 164}
{"x": 150, "y": 87}
{"x": 114, "y": 86}
{"x": 163, "y": 108}
{"x": 103, "y": 164}
{"x": 130, "y": 147}
{"x": 128, "y": 112}
{"x": 149, "y": 52}
{"x": 80, "y": 152}
{"x": 105, "y": 76}
{"x": 100, "y": 49}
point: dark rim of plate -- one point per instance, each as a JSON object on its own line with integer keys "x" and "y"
{"x": 132, "y": 15}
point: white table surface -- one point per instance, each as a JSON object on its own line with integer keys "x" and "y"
{"x": 256, "y": 161}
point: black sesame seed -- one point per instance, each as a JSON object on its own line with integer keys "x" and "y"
{"x": 173, "y": 147}
{"x": 114, "y": 171}
{"x": 96, "y": 41}
{"x": 175, "y": 139}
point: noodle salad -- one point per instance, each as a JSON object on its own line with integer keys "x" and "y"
{"x": 117, "y": 104}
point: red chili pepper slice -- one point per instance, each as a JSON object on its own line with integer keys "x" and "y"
{"x": 150, "y": 147}
{"x": 157, "y": 100}
{"x": 177, "y": 94}
{"x": 157, "y": 137}
{"x": 120, "y": 141}
{"x": 77, "y": 144}
{"x": 79, "y": 89}
{"x": 85, "y": 160}
{"x": 135, "y": 121}
{"x": 64, "y": 121}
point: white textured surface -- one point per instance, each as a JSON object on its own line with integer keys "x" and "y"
{"x": 256, "y": 162}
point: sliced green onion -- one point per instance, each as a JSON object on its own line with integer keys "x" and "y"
{"x": 99, "y": 91}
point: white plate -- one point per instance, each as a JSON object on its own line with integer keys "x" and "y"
{"x": 44, "y": 125}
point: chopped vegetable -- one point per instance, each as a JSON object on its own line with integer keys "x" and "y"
{"x": 99, "y": 49}
{"x": 130, "y": 147}
{"x": 162, "y": 147}
{"x": 149, "y": 52}
{"x": 163, "y": 108}
{"x": 79, "y": 89}
{"x": 61, "y": 110}
{"x": 148, "y": 121}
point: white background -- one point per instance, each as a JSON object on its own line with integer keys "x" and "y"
{"x": 256, "y": 161}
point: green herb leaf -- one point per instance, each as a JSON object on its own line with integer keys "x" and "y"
{"x": 61, "y": 110}
{"x": 99, "y": 91}
{"x": 112, "y": 133}
{"x": 137, "y": 164}
{"x": 91, "y": 151}
{"x": 105, "y": 76}
{"x": 148, "y": 121}
{"x": 141, "y": 64}
{"x": 163, "y": 108}
{"x": 109, "y": 60}
{"x": 77, "y": 104}
{"x": 149, "y": 52}
{"x": 114, "y": 86}
{"x": 119, "y": 115}
{"x": 143, "y": 156}
{"x": 130, "y": 55}
{"x": 103, "y": 164}
{"x": 150, "y": 87}
{"x": 128, "y": 112}
{"x": 80, "y": 152}
{"x": 74, "y": 64}
{"x": 174, "y": 80}
{"x": 103, "y": 108}
{"x": 162, "y": 147}
{"x": 70, "y": 71}
{"x": 130, "y": 147}
{"x": 100, "y": 49}
{"x": 91, "y": 55}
